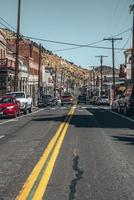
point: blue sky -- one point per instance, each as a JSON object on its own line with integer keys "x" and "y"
{"x": 74, "y": 21}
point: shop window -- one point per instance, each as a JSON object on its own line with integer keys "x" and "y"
{"x": 129, "y": 59}
{"x": 4, "y": 54}
{"x": 1, "y": 53}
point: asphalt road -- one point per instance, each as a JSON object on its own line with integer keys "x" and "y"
{"x": 87, "y": 154}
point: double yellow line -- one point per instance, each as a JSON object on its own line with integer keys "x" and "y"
{"x": 35, "y": 186}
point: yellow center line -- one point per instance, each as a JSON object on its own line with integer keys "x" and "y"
{"x": 40, "y": 191}
{"x": 34, "y": 174}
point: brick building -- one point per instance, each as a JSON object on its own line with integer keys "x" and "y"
{"x": 68, "y": 75}
{"x": 7, "y": 66}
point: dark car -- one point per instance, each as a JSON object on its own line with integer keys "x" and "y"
{"x": 66, "y": 99}
{"x": 126, "y": 101}
{"x": 9, "y": 106}
{"x": 94, "y": 100}
{"x": 46, "y": 100}
{"x": 82, "y": 99}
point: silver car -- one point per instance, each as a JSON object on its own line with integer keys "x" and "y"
{"x": 104, "y": 100}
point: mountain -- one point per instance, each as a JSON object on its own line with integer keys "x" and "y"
{"x": 52, "y": 61}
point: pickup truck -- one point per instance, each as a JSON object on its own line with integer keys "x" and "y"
{"x": 24, "y": 99}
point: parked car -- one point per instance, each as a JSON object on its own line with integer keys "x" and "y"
{"x": 115, "y": 103}
{"x": 58, "y": 101}
{"x": 126, "y": 101}
{"x": 82, "y": 99}
{"x": 9, "y": 106}
{"x": 46, "y": 100}
{"x": 94, "y": 100}
{"x": 67, "y": 98}
{"x": 25, "y": 100}
{"x": 97, "y": 101}
{"x": 104, "y": 100}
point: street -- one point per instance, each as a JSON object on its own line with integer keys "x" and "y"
{"x": 81, "y": 153}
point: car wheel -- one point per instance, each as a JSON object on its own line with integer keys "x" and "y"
{"x": 30, "y": 109}
{"x": 18, "y": 114}
{"x": 112, "y": 108}
{"x": 125, "y": 111}
{"x": 119, "y": 110}
{"x": 25, "y": 110}
{"x": 15, "y": 115}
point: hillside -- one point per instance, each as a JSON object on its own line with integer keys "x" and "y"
{"x": 106, "y": 70}
{"x": 53, "y": 61}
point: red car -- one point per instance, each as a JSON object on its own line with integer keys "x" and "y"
{"x": 9, "y": 106}
{"x": 67, "y": 98}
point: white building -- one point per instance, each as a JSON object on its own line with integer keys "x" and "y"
{"x": 128, "y": 56}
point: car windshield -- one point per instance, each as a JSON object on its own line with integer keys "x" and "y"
{"x": 81, "y": 97}
{"x": 47, "y": 97}
{"x": 67, "y": 94}
{"x": 6, "y": 100}
{"x": 104, "y": 97}
{"x": 17, "y": 95}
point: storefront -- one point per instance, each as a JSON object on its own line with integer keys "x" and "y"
{"x": 7, "y": 71}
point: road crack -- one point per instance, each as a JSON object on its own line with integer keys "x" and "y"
{"x": 78, "y": 176}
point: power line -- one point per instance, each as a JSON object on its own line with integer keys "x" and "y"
{"x": 77, "y": 47}
{"x": 89, "y": 45}
{"x": 7, "y": 23}
{"x": 71, "y": 44}
{"x": 114, "y": 12}
{"x": 7, "y": 47}
{"x": 126, "y": 42}
{"x": 4, "y": 25}
{"x": 113, "y": 60}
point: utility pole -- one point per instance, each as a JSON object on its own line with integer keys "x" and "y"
{"x": 55, "y": 80}
{"x": 94, "y": 79}
{"x": 101, "y": 62}
{"x": 16, "y": 78}
{"x": 131, "y": 7}
{"x": 39, "y": 69}
{"x": 61, "y": 82}
{"x": 113, "y": 61}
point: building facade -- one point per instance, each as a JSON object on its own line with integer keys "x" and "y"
{"x": 7, "y": 66}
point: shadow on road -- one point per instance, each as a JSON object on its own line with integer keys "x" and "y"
{"x": 49, "y": 118}
{"x": 94, "y": 118}
{"x": 127, "y": 139}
